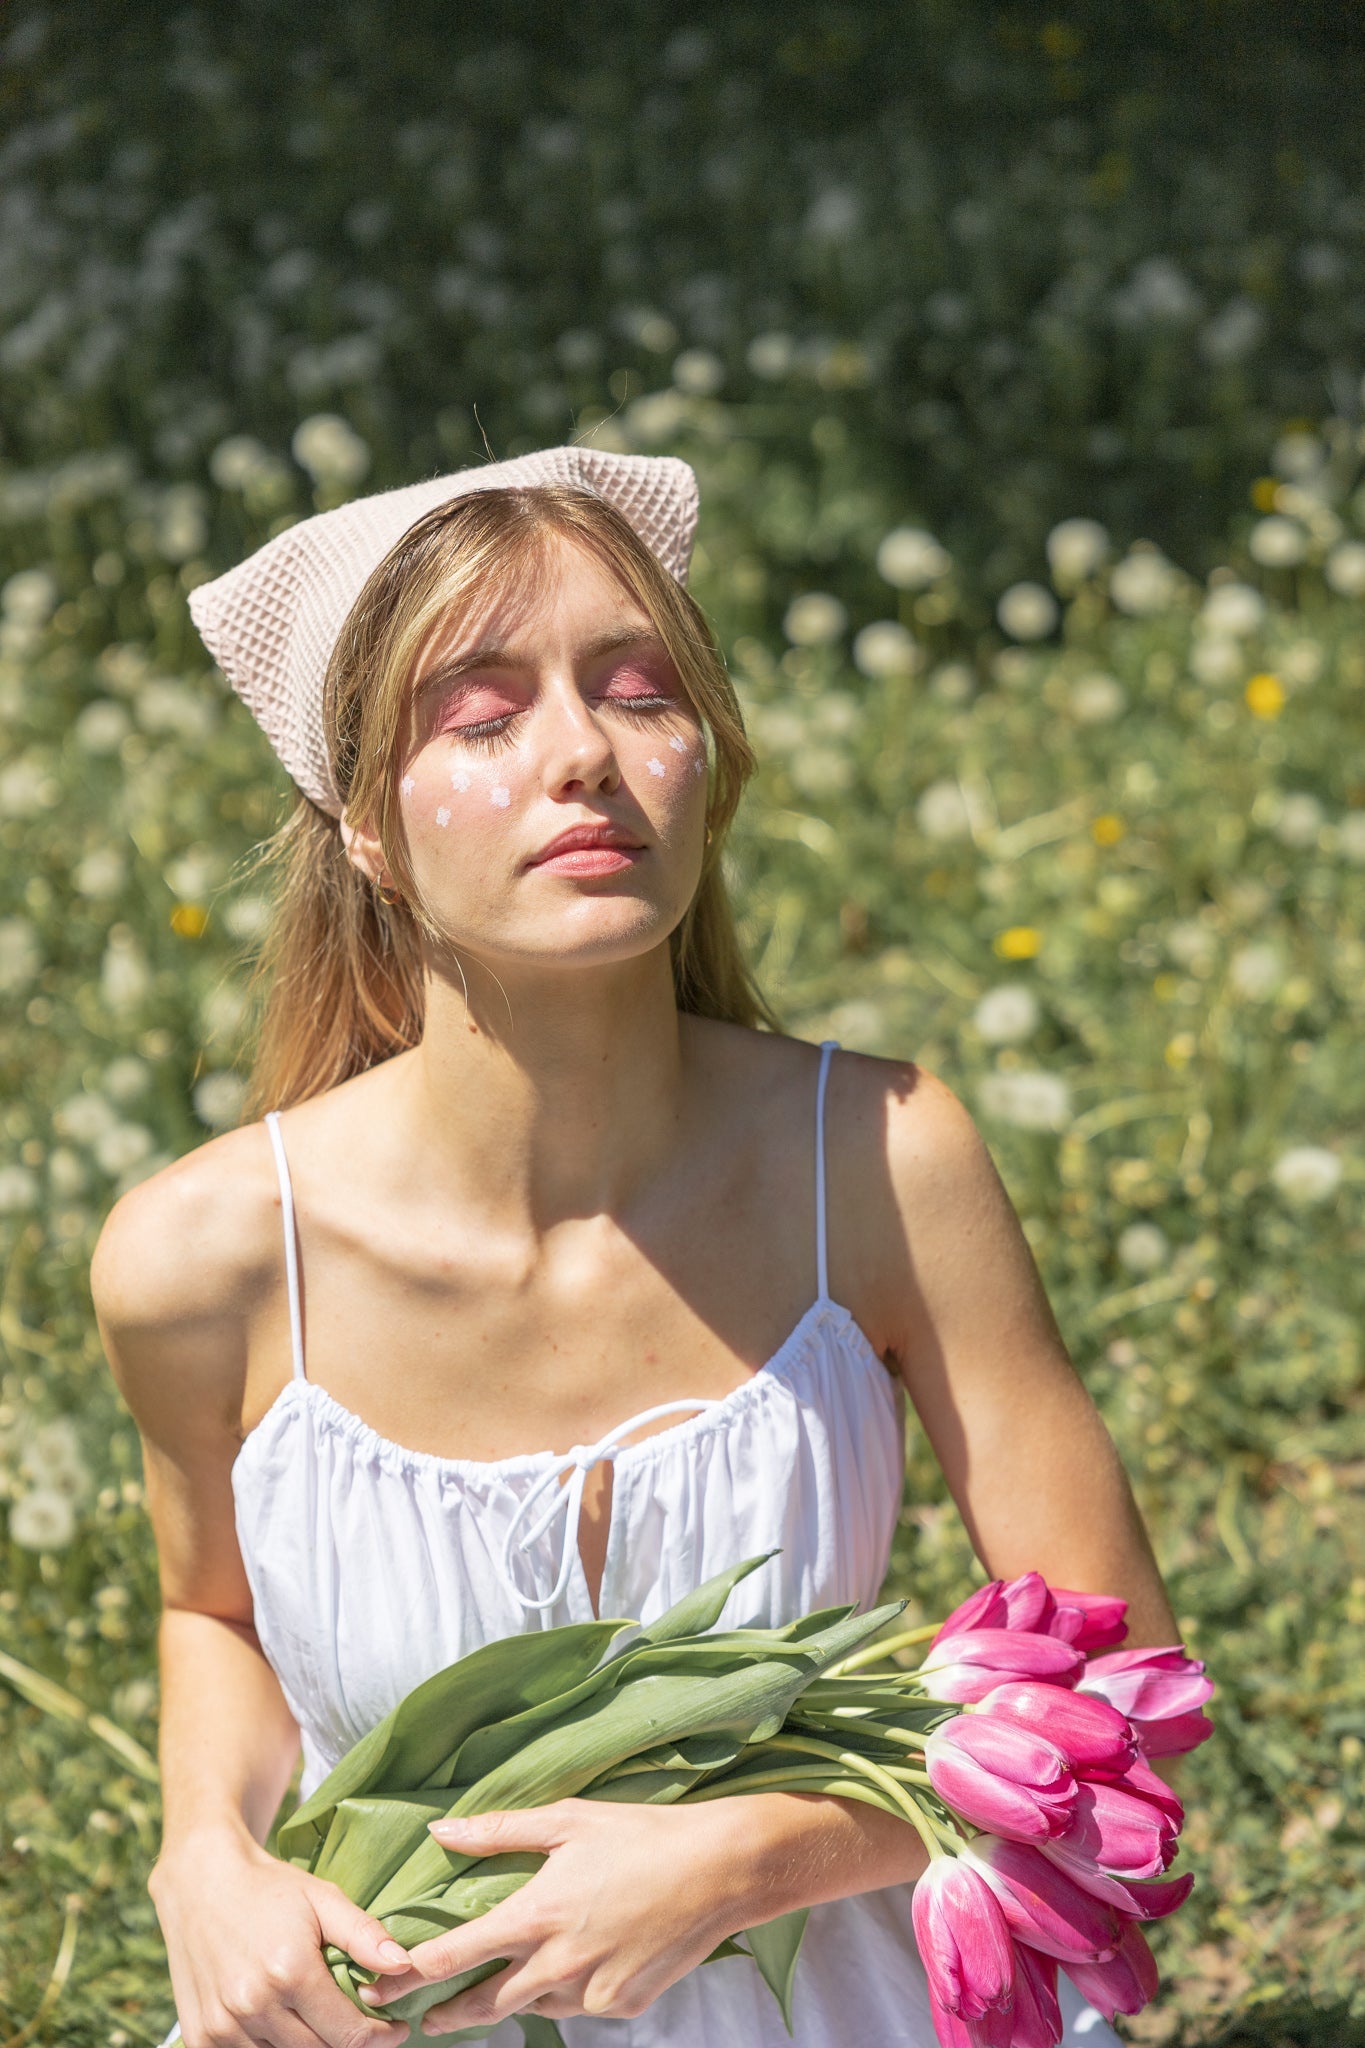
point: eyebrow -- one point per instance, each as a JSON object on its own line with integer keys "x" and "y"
{"x": 495, "y": 656}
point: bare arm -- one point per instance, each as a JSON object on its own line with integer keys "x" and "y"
{"x": 174, "y": 1276}
{"x": 1034, "y": 1472}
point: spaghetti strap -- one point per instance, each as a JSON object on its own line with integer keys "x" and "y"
{"x": 830, "y": 1046}
{"x": 291, "y": 1255}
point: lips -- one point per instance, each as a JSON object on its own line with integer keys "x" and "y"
{"x": 588, "y": 839}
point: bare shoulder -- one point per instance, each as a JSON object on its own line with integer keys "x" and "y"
{"x": 178, "y": 1264}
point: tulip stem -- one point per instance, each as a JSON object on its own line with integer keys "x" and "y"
{"x": 865, "y": 1768}
{"x": 879, "y": 1651}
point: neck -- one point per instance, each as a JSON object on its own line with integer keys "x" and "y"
{"x": 542, "y": 1095}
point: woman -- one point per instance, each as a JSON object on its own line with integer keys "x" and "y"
{"x": 606, "y": 1287}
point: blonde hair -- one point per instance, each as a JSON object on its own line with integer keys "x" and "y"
{"x": 340, "y": 971}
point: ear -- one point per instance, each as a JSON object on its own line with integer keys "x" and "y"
{"x": 363, "y": 849}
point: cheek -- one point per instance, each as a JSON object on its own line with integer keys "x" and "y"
{"x": 668, "y": 774}
{"x": 450, "y": 792}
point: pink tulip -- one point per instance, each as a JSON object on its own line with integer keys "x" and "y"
{"x": 963, "y": 1941}
{"x": 994, "y": 2029}
{"x": 1159, "y": 1691}
{"x": 1119, "y": 1831}
{"x": 1086, "y": 1620}
{"x": 1041, "y": 1904}
{"x": 1000, "y": 1776}
{"x": 1123, "y": 1984}
{"x": 1139, "y": 1777}
{"x": 1091, "y": 1735}
{"x": 1151, "y": 1900}
{"x": 1037, "y": 2015}
{"x": 1102, "y": 1618}
{"x": 966, "y": 1667}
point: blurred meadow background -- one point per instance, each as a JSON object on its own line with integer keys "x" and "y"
{"x": 1020, "y": 357}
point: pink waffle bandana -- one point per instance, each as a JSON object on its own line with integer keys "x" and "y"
{"x": 272, "y": 622}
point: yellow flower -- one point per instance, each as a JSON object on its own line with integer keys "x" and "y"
{"x": 1019, "y": 942}
{"x": 1263, "y": 493}
{"x": 1265, "y": 696}
{"x": 189, "y": 920}
{"x": 1164, "y": 987}
{"x": 1107, "y": 830}
{"x": 1181, "y": 1049}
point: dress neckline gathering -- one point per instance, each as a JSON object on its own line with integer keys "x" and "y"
{"x": 712, "y": 1417}
{"x": 713, "y": 1413}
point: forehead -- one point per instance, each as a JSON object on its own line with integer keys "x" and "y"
{"x": 562, "y": 588}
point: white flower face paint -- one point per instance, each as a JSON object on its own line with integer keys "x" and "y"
{"x": 500, "y": 795}
{"x": 459, "y": 781}
{"x": 678, "y": 743}
{"x": 407, "y": 785}
{"x": 655, "y": 766}
{"x": 699, "y": 765}
{"x": 442, "y": 815}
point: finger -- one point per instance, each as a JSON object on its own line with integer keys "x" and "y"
{"x": 349, "y": 1926}
{"x": 515, "y": 1989}
{"x": 500, "y": 1935}
{"x": 324, "y": 2014}
{"x": 496, "y": 1834}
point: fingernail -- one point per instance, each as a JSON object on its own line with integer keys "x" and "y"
{"x": 449, "y": 1830}
{"x": 392, "y": 1953}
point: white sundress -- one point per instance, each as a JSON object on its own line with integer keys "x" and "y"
{"x": 372, "y": 1566}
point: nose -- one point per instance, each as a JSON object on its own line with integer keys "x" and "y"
{"x": 579, "y": 754}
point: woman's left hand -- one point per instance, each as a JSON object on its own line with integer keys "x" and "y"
{"x": 628, "y": 1900}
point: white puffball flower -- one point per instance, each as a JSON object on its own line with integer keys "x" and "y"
{"x": 1076, "y": 548}
{"x": 1144, "y": 582}
{"x": 1190, "y": 943}
{"x": 18, "y": 1189}
{"x": 1006, "y": 1014}
{"x": 21, "y": 956}
{"x": 1217, "y": 659}
{"x": 102, "y": 727}
{"x": 1027, "y": 611}
{"x": 126, "y": 1078}
{"x": 953, "y": 682}
{"x": 1030, "y": 1101}
{"x": 1142, "y": 1247}
{"x": 53, "y": 1458}
{"x": 1351, "y": 837}
{"x": 29, "y": 597}
{"x": 886, "y": 648}
{"x": 1097, "y": 699}
{"x": 125, "y": 976}
{"x": 84, "y": 1117}
{"x": 236, "y": 462}
{"x": 1345, "y": 569}
{"x": 699, "y": 372}
{"x": 1256, "y": 971}
{"x": 814, "y": 619}
{"x": 101, "y": 873}
{"x": 66, "y": 1171}
{"x": 26, "y": 788}
{"x": 911, "y": 559}
{"x": 1300, "y": 821}
{"x": 42, "y": 1520}
{"x": 1233, "y": 608}
{"x": 942, "y": 813}
{"x": 246, "y": 917}
{"x": 771, "y": 355}
{"x": 1297, "y": 455}
{"x": 1307, "y": 1174}
{"x": 218, "y": 1099}
{"x": 122, "y": 1146}
{"x": 1277, "y": 543}
{"x": 330, "y": 449}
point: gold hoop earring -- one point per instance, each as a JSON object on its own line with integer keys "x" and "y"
{"x": 388, "y": 894}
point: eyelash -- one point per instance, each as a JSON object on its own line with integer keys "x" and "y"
{"x": 487, "y": 733}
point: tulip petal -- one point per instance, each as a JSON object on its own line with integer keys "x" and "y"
{"x": 1042, "y": 1904}
{"x": 1125, "y": 1983}
{"x": 963, "y": 1939}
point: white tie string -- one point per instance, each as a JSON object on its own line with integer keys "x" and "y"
{"x": 577, "y": 1462}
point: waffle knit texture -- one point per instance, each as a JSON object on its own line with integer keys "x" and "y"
{"x": 272, "y": 622}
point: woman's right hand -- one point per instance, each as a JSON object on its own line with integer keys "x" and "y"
{"x": 244, "y": 1936}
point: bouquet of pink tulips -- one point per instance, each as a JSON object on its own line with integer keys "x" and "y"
{"x": 1020, "y": 1759}
{"x": 1050, "y": 1759}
